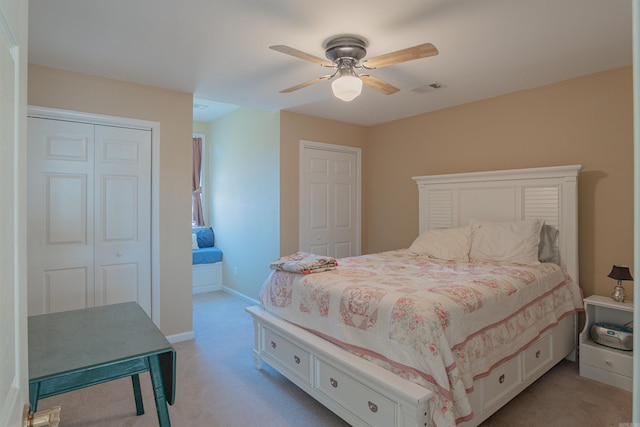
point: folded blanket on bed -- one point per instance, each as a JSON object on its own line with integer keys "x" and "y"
{"x": 304, "y": 263}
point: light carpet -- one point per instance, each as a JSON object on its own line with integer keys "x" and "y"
{"x": 218, "y": 386}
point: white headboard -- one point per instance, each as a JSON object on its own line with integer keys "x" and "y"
{"x": 549, "y": 193}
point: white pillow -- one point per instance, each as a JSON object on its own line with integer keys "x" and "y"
{"x": 194, "y": 242}
{"x": 515, "y": 241}
{"x": 450, "y": 244}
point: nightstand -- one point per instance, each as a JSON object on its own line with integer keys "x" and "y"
{"x": 600, "y": 363}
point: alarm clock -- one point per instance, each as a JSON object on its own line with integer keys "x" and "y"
{"x": 611, "y": 335}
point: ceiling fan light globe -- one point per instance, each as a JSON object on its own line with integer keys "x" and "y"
{"x": 346, "y": 87}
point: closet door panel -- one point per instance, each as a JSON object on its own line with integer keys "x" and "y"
{"x": 123, "y": 216}
{"x": 66, "y": 289}
{"x": 118, "y": 283}
{"x": 60, "y": 215}
{"x": 65, "y": 207}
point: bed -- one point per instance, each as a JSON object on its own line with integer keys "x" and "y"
{"x": 369, "y": 368}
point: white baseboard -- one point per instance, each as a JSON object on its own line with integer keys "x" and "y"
{"x": 207, "y": 288}
{"x": 183, "y": 336}
{"x": 239, "y": 295}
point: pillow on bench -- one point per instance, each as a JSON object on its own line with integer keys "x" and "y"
{"x": 205, "y": 237}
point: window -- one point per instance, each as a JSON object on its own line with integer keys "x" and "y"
{"x": 197, "y": 199}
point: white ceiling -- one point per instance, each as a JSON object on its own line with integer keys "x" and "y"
{"x": 219, "y": 49}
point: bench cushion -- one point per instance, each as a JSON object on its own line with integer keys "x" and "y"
{"x": 206, "y": 256}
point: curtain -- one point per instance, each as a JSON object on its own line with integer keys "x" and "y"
{"x": 196, "y": 185}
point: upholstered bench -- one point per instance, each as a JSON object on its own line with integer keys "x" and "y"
{"x": 206, "y": 261}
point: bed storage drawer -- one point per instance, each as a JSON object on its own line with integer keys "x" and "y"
{"x": 287, "y": 354}
{"x": 372, "y": 407}
{"x": 502, "y": 380}
{"x": 537, "y": 356}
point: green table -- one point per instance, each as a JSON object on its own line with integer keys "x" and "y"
{"x": 80, "y": 348}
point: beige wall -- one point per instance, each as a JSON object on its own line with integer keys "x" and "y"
{"x": 585, "y": 121}
{"x": 173, "y": 110}
{"x": 296, "y": 127}
{"x": 245, "y": 197}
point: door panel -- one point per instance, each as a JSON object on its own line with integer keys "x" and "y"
{"x": 329, "y": 223}
{"x": 65, "y": 209}
{"x": 66, "y": 289}
{"x": 117, "y": 284}
{"x": 60, "y": 215}
{"x": 119, "y": 208}
{"x": 319, "y": 200}
{"x": 13, "y": 304}
{"x": 123, "y": 216}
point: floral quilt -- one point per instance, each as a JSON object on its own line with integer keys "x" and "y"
{"x": 440, "y": 324}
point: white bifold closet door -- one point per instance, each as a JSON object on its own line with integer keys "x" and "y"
{"x": 89, "y": 215}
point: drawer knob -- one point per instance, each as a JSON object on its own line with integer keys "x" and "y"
{"x": 538, "y": 354}
{"x": 373, "y": 407}
{"x": 273, "y": 344}
{"x": 501, "y": 379}
{"x": 297, "y": 359}
{"x": 608, "y": 362}
{"x": 333, "y": 382}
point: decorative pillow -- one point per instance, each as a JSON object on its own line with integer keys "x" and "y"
{"x": 515, "y": 241}
{"x": 206, "y": 238}
{"x": 450, "y": 244}
{"x": 548, "y": 235}
{"x": 194, "y": 242}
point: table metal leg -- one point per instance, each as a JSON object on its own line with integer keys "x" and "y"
{"x": 158, "y": 391}
{"x": 137, "y": 394}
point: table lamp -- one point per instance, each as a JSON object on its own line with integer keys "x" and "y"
{"x": 620, "y": 273}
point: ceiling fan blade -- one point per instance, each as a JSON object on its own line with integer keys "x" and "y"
{"x": 379, "y": 85}
{"x": 305, "y": 84}
{"x": 404, "y": 55}
{"x": 302, "y": 55}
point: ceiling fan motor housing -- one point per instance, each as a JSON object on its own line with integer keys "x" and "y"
{"x": 346, "y": 47}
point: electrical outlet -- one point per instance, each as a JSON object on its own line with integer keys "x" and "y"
{"x": 235, "y": 270}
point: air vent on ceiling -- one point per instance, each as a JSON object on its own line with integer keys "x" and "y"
{"x": 428, "y": 88}
{"x": 200, "y": 106}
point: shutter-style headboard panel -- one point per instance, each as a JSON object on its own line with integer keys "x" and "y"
{"x": 550, "y": 193}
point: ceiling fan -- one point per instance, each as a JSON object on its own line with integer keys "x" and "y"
{"x": 345, "y": 54}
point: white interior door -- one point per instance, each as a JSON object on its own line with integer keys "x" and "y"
{"x": 329, "y": 199}
{"x": 13, "y": 314}
{"x": 89, "y": 215}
